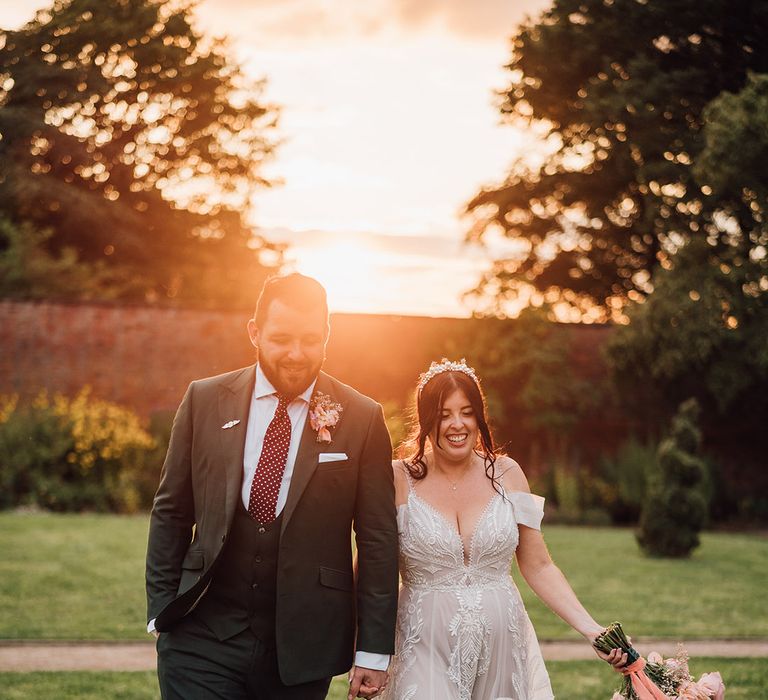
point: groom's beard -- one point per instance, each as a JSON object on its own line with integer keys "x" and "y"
{"x": 290, "y": 378}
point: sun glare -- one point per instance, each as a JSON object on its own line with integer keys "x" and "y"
{"x": 351, "y": 271}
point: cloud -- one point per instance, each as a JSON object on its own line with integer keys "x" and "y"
{"x": 482, "y": 18}
{"x": 310, "y": 20}
{"x": 265, "y": 22}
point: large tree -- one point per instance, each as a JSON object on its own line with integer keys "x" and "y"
{"x": 135, "y": 143}
{"x": 618, "y": 88}
{"x": 703, "y": 332}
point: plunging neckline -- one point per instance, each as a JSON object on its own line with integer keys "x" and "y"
{"x": 466, "y": 552}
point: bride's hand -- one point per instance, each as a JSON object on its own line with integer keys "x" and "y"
{"x": 366, "y": 682}
{"x": 616, "y": 658}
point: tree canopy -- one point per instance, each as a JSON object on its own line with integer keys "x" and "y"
{"x": 135, "y": 144}
{"x": 619, "y": 90}
{"x": 732, "y": 163}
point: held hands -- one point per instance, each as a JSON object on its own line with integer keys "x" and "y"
{"x": 366, "y": 683}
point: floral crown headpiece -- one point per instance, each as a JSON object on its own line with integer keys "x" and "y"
{"x": 446, "y": 366}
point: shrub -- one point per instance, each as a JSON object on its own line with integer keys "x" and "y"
{"x": 624, "y": 475}
{"x": 144, "y": 473}
{"x": 675, "y": 506}
{"x": 578, "y": 496}
{"x": 70, "y": 454}
{"x": 567, "y": 492}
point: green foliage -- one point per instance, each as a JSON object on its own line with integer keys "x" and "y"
{"x": 732, "y": 163}
{"x": 539, "y": 398}
{"x": 697, "y": 329}
{"x": 526, "y": 367}
{"x": 71, "y": 454}
{"x": 29, "y": 270}
{"x": 620, "y": 91}
{"x": 31, "y": 440}
{"x": 137, "y": 143}
{"x": 143, "y": 472}
{"x": 702, "y": 334}
{"x": 576, "y": 496}
{"x": 624, "y": 475}
{"x": 675, "y": 506}
{"x": 567, "y": 491}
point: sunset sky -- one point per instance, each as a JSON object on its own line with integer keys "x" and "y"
{"x": 389, "y": 127}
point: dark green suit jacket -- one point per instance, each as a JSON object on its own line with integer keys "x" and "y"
{"x": 322, "y": 612}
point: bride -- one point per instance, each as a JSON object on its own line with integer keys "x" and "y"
{"x": 464, "y": 512}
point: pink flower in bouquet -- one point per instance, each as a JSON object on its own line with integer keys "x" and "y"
{"x": 618, "y": 696}
{"x": 712, "y": 684}
{"x": 691, "y": 691}
{"x": 655, "y": 658}
{"x": 677, "y": 666}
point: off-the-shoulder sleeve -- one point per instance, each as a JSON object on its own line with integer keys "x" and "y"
{"x": 529, "y": 508}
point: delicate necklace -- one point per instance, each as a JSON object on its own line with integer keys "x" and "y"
{"x": 454, "y": 484}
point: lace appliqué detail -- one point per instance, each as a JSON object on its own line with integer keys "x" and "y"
{"x": 410, "y": 622}
{"x": 471, "y": 631}
{"x": 462, "y": 630}
{"x": 516, "y": 623}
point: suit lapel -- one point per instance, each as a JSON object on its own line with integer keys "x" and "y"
{"x": 308, "y": 454}
{"x": 234, "y": 404}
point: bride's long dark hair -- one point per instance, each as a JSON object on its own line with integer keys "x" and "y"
{"x": 429, "y": 409}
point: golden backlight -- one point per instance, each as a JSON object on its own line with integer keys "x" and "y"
{"x": 351, "y": 271}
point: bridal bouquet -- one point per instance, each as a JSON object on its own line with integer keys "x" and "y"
{"x": 657, "y": 678}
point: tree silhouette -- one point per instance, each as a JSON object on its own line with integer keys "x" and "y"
{"x": 619, "y": 89}
{"x": 136, "y": 143}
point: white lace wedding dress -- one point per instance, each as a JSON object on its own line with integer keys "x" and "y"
{"x": 462, "y": 630}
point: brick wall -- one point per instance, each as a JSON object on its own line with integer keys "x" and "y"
{"x": 145, "y": 357}
{"x": 137, "y": 356}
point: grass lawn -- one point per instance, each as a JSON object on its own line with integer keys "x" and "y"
{"x": 82, "y": 577}
{"x": 718, "y": 592}
{"x": 746, "y": 679}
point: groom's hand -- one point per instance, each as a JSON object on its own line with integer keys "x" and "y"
{"x": 365, "y": 682}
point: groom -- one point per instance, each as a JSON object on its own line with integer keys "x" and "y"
{"x": 250, "y": 578}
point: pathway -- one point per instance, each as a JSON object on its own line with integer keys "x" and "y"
{"x": 140, "y": 656}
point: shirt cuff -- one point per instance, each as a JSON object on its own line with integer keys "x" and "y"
{"x": 376, "y": 662}
{"x": 151, "y": 626}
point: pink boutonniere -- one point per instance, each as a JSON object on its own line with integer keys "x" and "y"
{"x": 324, "y": 414}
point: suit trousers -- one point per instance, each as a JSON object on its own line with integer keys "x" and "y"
{"x": 192, "y": 664}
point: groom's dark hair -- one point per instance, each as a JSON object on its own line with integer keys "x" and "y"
{"x": 300, "y": 292}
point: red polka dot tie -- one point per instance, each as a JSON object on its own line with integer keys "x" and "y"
{"x": 262, "y": 501}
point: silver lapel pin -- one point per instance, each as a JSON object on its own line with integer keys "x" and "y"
{"x": 230, "y": 424}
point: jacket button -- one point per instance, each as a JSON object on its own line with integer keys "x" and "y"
{"x": 258, "y": 559}
{"x": 255, "y": 586}
{"x": 262, "y": 530}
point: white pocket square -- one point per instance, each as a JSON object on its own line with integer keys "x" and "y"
{"x": 230, "y": 424}
{"x": 332, "y": 457}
